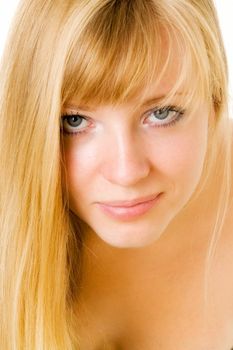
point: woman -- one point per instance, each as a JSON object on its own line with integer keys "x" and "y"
{"x": 116, "y": 186}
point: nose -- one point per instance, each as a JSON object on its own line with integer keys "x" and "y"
{"x": 125, "y": 161}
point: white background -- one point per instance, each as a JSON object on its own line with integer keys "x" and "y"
{"x": 224, "y": 8}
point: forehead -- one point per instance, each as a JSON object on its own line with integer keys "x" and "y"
{"x": 151, "y": 97}
{"x": 157, "y": 89}
{"x": 117, "y": 72}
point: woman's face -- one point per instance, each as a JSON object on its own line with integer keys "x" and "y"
{"x": 129, "y": 172}
{"x": 131, "y": 168}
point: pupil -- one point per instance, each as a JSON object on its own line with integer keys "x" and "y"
{"x": 162, "y": 114}
{"x": 75, "y": 120}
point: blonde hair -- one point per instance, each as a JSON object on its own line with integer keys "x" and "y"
{"x": 98, "y": 51}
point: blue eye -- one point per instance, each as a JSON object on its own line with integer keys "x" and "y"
{"x": 74, "y": 124}
{"x": 164, "y": 117}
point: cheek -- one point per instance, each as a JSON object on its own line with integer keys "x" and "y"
{"x": 177, "y": 159}
{"x": 80, "y": 164}
{"x": 181, "y": 157}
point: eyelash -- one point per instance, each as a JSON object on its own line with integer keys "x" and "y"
{"x": 180, "y": 113}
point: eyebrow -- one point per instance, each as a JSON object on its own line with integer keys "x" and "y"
{"x": 148, "y": 102}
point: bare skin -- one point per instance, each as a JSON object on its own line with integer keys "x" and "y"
{"x": 153, "y": 297}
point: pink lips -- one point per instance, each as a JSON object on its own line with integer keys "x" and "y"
{"x": 126, "y": 210}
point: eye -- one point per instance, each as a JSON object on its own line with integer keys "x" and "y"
{"x": 74, "y": 124}
{"x": 164, "y": 117}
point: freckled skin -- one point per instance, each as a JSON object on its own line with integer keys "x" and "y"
{"x": 120, "y": 158}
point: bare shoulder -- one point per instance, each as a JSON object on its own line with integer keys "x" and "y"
{"x": 222, "y": 272}
{"x": 224, "y": 244}
{"x": 229, "y": 216}
{"x": 228, "y": 222}
{"x": 226, "y": 238}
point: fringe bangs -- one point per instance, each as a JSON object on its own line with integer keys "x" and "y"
{"x": 122, "y": 51}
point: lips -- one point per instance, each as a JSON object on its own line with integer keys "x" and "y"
{"x": 130, "y": 203}
{"x": 129, "y": 209}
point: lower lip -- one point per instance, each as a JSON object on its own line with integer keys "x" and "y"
{"x": 127, "y": 213}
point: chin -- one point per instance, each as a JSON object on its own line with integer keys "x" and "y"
{"x": 131, "y": 236}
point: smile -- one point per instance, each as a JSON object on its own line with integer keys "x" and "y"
{"x": 126, "y": 210}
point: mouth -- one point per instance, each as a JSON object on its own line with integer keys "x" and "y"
{"x": 126, "y": 210}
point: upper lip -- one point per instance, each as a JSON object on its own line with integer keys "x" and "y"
{"x": 129, "y": 203}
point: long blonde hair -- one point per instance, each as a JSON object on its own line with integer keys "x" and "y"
{"x": 98, "y": 51}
